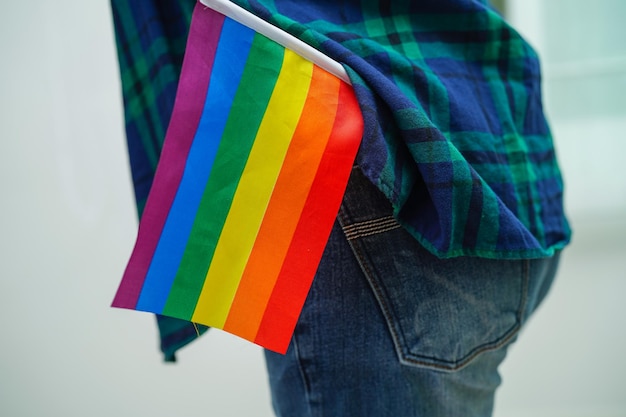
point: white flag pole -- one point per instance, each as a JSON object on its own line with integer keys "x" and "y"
{"x": 279, "y": 36}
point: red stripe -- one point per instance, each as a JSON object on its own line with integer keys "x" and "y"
{"x": 285, "y": 207}
{"x": 313, "y": 230}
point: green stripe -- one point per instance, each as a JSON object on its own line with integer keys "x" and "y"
{"x": 142, "y": 92}
{"x": 142, "y": 108}
{"x": 239, "y": 134}
{"x": 461, "y": 196}
{"x": 489, "y": 228}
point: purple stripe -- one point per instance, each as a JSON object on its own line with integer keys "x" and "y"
{"x": 197, "y": 66}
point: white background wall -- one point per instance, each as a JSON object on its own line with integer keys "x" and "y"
{"x": 570, "y": 361}
{"x": 67, "y": 226}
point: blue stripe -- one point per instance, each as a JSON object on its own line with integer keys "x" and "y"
{"x": 230, "y": 59}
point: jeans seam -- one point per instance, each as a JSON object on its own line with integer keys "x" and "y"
{"x": 373, "y": 285}
{"x": 370, "y": 227}
{"x": 305, "y": 381}
{"x": 524, "y": 291}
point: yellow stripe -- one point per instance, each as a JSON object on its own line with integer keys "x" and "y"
{"x": 254, "y": 191}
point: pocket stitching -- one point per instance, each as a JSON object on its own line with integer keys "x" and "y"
{"x": 398, "y": 340}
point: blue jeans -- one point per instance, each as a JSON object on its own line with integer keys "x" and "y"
{"x": 390, "y": 330}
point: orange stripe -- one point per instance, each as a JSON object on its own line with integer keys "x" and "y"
{"x": 312, "y": 232}
{"x": 286, "y": 204}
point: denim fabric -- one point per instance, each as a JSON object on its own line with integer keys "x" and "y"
{"x": 388, "y": 329}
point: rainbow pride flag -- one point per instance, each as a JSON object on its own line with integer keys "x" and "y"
{"x": 253, "y": 169}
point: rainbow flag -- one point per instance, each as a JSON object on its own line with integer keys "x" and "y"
{"x": 253, "y": 169}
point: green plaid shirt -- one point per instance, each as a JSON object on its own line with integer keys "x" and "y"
{"x": 455, "y": 134}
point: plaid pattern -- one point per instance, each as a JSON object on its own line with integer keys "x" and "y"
{"x": 151, "y": 37}
{"x": 455, "y": 135}
{"x": 455, "y": 132}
